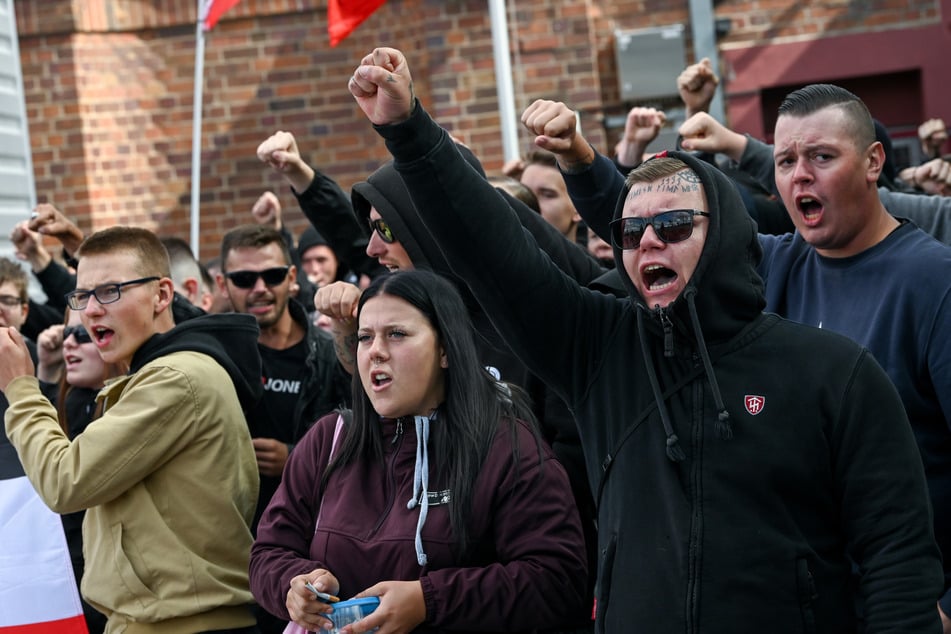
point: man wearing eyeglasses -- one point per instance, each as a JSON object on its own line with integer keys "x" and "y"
{"x": 14, "y": 301}
{"x": 167, "y": 472}
{"x": 737, "y": 458}
{"x": 14, "y": 308}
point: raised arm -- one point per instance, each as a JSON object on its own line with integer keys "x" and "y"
{"x": 641, "y": 127}
{"x": 321, "y": 200}
{"x": 697, "y": 85}
{"x": 50, "y": 221}
{"x": 483, "y": 241}
{"x": 339, "y": 302}
{"x": 703, "y": 133}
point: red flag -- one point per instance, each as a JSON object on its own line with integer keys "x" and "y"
{"x": 343, "y": 16}
{"x": 212, "y": 11}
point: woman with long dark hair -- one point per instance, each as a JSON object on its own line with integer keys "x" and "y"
{"x": 436, "y": 495}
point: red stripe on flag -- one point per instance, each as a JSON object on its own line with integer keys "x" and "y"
{"x": 74, "y": 625}
{"x": 343, "y": 16}
{"x": 216, "y": 9}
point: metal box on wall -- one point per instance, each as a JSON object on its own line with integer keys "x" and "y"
{"x": 649, "y": 61}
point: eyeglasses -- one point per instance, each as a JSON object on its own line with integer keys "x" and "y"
{"x": 383, "y": 229}
{"x": 11, "y": 301}
{"x": 671, "y": 226}
{"x": 104, "y": 294}
{"x": 80, "y": 333}
{"x": 247, "y": 279}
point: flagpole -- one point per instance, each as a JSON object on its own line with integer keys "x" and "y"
{"x": 196, "y": 129}
{"x": 503, "y": 78}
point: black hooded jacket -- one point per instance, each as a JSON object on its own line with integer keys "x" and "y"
{"x": 231, "y": 339}
{"x": 742, "y": 462}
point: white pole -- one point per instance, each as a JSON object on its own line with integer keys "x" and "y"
{"x": 196, "y": 129}
{"x": 703, "y": 27}
{"x": 503, "y": 78}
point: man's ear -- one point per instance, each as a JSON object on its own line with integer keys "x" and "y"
{"x": 192, "y": 290}
{"x": 875, "y": 155}
{"x": 222, "y": 285}
{"x": 165, "y": 295}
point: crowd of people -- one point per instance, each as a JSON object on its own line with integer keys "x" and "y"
{"x": 699, "y": 390}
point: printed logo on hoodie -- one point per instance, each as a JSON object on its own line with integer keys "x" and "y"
{"x": 754, "y": 404}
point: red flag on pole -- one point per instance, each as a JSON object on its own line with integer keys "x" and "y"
{"x": 343, "y": 16}
{"x": 213, "y": 10}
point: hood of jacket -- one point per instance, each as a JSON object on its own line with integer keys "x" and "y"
{"x": 384, "y": 189}
{"x": 722, "y": 297}
{"x": 231, "y": 339}
{"x": 727, "y": 291}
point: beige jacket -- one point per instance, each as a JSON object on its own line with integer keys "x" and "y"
{"x": 169, "y": 476}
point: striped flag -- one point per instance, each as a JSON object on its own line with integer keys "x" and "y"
{"x": 343, "y": 16}
{"x": 212, "y": 10}
{"x": 38, "y": 592}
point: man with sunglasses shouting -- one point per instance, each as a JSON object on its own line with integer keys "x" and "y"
{"x": 743, "y": 464}
{"x": 167, "y": 472}
{"x": 301, "y": 376}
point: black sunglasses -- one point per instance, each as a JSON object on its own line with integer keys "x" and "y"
{"x": 671, "y": 226}
{"x": 383, "y": 229}
{"x": 78, "y": 332}
{"x": 247, "y": 279}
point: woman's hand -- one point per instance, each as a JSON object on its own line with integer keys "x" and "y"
{"x": 402, "y": 608}
{"x": 303, "y": 607}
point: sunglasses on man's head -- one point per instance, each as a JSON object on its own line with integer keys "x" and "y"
{"x": 671, "y": 226}
{"x": 382, "y": 229}
{"x": 247, "y": 279}
{"x": 79, "y": 332}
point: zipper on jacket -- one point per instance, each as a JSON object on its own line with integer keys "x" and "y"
{"x": 694, "y": 556}
{"x": 668, "y": 330}
{"x": 390, "y": 477}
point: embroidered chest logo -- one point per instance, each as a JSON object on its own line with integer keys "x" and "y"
{"x": 754, "y": 404}
{"x": 437, "y": 498}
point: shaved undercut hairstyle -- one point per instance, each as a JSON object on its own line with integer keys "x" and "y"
{"x": 815, "y": 97}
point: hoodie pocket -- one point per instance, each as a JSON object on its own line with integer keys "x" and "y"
{"x": 806, "y": 586}
{"x": 603, "y": 589}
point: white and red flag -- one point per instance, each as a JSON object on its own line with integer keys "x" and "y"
{"x": 212, "y": 10}
{"x": 38, "y": 593}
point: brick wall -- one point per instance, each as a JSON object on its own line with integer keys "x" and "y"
{"x": 109, "y": 87}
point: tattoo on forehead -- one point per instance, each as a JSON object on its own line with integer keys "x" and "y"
{"x": 682, "y": 182}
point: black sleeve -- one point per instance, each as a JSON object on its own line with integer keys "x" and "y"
{"x": 328, "y": 209}
{"x": 56, "y": 281}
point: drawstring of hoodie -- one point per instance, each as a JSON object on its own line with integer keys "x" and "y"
{"x": 674, "y": 451}
{"x": 421, "y": 483}
{"x": 723, "y": 426}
